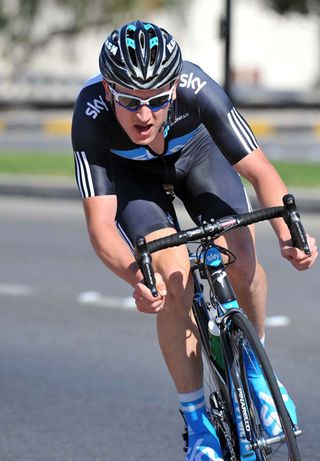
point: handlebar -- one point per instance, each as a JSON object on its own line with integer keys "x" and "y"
{"x": 288, "y": 212}
{"x": 292, "y": 218}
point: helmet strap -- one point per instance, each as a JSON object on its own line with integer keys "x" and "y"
{"x": 112, "y": 98}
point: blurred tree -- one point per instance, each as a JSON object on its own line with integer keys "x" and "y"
{"x": 300, "y": 6}
{"x": 27, "y": 25}
{"x": 17, "y": 19}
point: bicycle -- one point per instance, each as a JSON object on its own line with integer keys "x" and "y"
{"x": 229, "y": 400}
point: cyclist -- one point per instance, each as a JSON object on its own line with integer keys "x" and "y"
{"x": 150, "y": 119}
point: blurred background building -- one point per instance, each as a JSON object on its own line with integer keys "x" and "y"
{"x": 48, "y": 48}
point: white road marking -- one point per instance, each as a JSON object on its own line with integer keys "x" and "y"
{"x": 15, "y": 290}
{"x": 277, "y": 321}
{"x": 94, "y": 298}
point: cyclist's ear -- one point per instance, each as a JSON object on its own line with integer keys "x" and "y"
{"x": 106, "y": 90}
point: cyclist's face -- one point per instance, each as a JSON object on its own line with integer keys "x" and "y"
{"x": 141, "y": 125}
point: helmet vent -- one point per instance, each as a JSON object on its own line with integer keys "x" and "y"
{"x": 153, "y": 55}
{"x": 133, "y": 56}
{"x": 142, "y": 41}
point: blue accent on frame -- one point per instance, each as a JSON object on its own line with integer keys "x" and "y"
{"x": 198, "y": 296}
{"x": 231, "y": 305}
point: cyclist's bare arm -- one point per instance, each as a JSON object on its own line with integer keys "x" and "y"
{"x": 270, "y": 189}
{"x": 100, "y": 214}
{"x": 109, "y": 245}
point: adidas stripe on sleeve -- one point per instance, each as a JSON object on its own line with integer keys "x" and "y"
{"x": 83, "y": 175}
{"x": 242, "y": 131}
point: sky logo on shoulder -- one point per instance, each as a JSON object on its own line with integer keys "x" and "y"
{"x": 95, "y": 107}
{"x": 189, "y": 81}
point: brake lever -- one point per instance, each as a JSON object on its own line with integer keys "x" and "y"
{"x": 144, "y": 261}
{"x": 292, "y": 218}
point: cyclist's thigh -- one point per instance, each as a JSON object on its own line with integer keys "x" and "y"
{"x": 145, "y": 209}
{"x": 212, "y": 187}
{"x": 143, "y": 205}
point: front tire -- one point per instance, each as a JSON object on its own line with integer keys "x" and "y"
{"x": 242, "y": 337}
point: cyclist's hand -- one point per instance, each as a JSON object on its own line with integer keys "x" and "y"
{"x": 147, "y": 303}
{"x": 297, "y": 257}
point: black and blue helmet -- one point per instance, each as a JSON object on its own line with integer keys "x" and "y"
{"x": 140, "y": 55}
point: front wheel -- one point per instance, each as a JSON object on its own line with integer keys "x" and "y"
{"x": 216, "y": 392}
{"x": 246, "y": 348}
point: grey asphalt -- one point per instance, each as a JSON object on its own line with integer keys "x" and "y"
{"x": 85, "y": 382}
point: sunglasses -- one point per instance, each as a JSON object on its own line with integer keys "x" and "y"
{"x": 133, "y": 103}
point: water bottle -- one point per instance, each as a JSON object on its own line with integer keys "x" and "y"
{"x": 215, "y": 344}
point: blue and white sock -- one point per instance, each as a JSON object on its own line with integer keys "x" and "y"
{"x": 194, "y": 410}
{"x": 203, "y": 442}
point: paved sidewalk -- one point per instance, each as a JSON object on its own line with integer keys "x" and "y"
{"x": 38, "y": 186}
{"x": 65, "y": 188}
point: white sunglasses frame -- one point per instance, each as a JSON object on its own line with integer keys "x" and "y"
{"x": 142, "y": 102}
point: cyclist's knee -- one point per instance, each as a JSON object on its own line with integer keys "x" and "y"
{"x": 176, "y": 275}
{"x": 247, "y": 272}
{"x": 174, "y": 266}
{"x": 177, "y": 283}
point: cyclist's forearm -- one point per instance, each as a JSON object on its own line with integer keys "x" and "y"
{"x": 269, "y": 191}
{"x": 268, "y": 185}
{"x": 114, "y": 253}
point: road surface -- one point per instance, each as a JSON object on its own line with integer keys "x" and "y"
{"x": 81, "y": 374}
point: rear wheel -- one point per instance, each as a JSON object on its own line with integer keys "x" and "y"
{"x": 246, "y": 347}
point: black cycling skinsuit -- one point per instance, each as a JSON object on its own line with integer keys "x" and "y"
{"x": 205, "y": 137}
